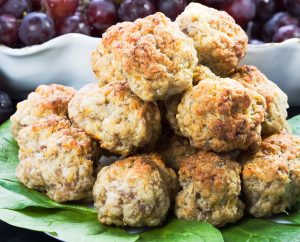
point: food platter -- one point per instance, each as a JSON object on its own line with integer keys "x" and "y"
{"x": 167, "y": 135}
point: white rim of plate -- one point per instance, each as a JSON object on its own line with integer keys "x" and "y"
{"x": 55, "y": 42}
{"x": 75, "y": 37}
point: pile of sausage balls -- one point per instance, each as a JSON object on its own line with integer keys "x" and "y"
{"x": 190, "y": 130}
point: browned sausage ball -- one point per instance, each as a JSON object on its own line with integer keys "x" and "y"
{"x": 210, "y": 189}
{"x": 57, "y": 159}
{"x": 46, "y": 100}
{"x": 136, "y": 191}
{"x": 271, "y": 177}
{"x": 116, "y": 117}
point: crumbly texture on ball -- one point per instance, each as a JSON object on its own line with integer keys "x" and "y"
{"x": 57, "y": 159}
{"x": 174, "y": 149}
{"x": 153, "y": 55}
{"x": 134, "y": 191}
{"x": 116, "y": 117}
{"x": 219, "y": 41}
{"x": 171, "y": 105}
{"x": 46, "y": 100}
{"x": 210, "y": 189}
{"x": 201, "y": 73}
{"x": 221, "y": 115}
{"x": 271, "y": 177}
{"x": 276, "y": 99}
{"x": 105, "y": 67}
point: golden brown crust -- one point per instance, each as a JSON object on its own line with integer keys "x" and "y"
{"x": 134, "y": 191}
{"x": 201, "y": 73}
{"x": 57, "y": 159}
{"x": 271, "y": 177}
{"x": 221, "y": 115}
{"x": 154, "y": 57}
{"x": 219, "y": 41}
{"x": 174, "y": 149}
{"x": 46, "y": 100}
{"x": 105, "y": 67}
{"x": 211, "y": 187}
{"x": 116, "y": 117}
{"x": 276, "y": 99}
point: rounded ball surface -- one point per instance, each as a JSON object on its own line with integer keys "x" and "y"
{"x": 134, "y": 192}
{"x": 116, "y": 117}
{"x": 152, "y": 55}
{"x": 210, "y": 189}
{"x": 46, "y": 100}
{"x": 219, "y": 41}
{"x": 221, "y": 115}
{"x": 57, "y": 159}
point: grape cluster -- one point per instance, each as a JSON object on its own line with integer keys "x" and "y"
{"x": 6, "y": 106}
{"x": 30, "y": 22}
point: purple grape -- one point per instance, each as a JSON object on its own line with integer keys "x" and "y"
{"x": 36, "y": 5}
{"x": 254, "y": 30}
{"x": 36, "y": 28}
{"x": 102, "y": 14}
{"x": 59, "y": 9}
{"x": 281, "y": 5}
{"x": 2, "y": 1}
{"x": 243, "y": 11}
{"x": 265, "y": 9}
{"x": 278, "y": 20}
{"x": 172, "y": 8}
{"x": 8, "y": 30}
{"x": 256, "y": 42}
{"x": 212, "y": 3}
{"x": 6, "y": 107}
{"x": 293, "y": 7}
{"x": 73, "y": 24}
{"x": 18, "y": 8}
{"x": 131, "y": 10}
{"x": 286, "y": 32}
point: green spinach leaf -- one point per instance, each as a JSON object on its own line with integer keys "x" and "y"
{"x": 8, "y": 153}
{"x": 257, "y": 230}
{"x": 177, "y": 230}
{"x": 295, "y": 124}
{"x": 67, "y": 225}
{"x": 14, "y": 195}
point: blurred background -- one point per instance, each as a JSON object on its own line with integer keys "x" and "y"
{"x": 30, "y": 22}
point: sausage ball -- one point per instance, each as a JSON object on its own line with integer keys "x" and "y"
{"x": 210, "y": 189}
{"x": 105, "y": 67}
{"x": 221, "y": 115}
{"x": 153, "y": 55}
{"x": 171, "y": 111}
{"x": 200, "y": 73}
{"x": 46, "y": 100}
{"x": 174, "y": 149}
{"x": 276, "y": 99}
{"x": 134, "y": 191}
{"x": 271, "y": 177}
{"x": 57, "y": 159}
{"x": 219, "y": 41}
{"x": 116, "y": 117}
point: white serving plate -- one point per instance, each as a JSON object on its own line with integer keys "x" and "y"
{"x": 66, "y": 60}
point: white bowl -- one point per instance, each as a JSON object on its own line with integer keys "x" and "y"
{"x": 66, "y": 60}
{"x": 280, "y": 62}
